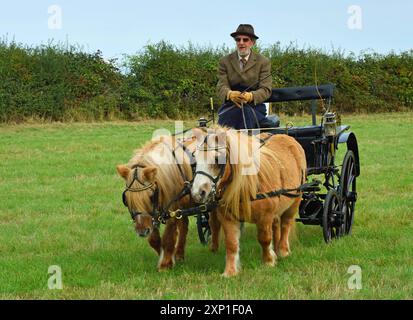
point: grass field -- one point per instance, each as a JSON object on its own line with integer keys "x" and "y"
{"x": 60, "y": 204}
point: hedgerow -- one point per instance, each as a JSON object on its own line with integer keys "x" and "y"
{"x": 58, "y": 83}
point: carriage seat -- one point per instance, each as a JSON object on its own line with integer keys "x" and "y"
{"x": 311, "y": 132}
{"x": 324, "y": 91}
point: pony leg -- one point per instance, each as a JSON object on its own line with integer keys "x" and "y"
{"x": 183, "y": 231}
{"x": 265, "y": 235}
{"x": 287, "y": 221}
{"x": 215, "y": 226}
{"x": 276, "y": 233}
{"x": 167, "y": 256}
{"x": 232, "y": 232}
{"x": 155, "y": 241}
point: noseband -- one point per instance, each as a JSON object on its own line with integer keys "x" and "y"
{"x": 204, "y": 146}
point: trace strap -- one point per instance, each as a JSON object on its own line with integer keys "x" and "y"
{"x": 310, "y": 186}
{"x": 202, "y": 208}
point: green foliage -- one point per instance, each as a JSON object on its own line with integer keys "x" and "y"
{"x": 163, "y": 81}
{"x": 168, "y": 81}
{"x": 50, "y": 82}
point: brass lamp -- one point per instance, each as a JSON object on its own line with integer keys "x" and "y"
{"x": 330, "y": 124}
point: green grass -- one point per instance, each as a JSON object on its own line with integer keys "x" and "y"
{"x": 60, "y": 204}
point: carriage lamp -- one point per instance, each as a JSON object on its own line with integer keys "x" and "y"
{"x": 330, "y": 124}
{"x": 202, "y": 122}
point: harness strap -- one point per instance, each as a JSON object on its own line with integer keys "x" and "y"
{"x": 214, "y": 180}
{"x": 306, "y": 187}
{"x": 203, "y": 208}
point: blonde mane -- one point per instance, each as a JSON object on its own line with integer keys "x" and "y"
{"x": 244, "y": 153}
{"x": 158, "y": 153}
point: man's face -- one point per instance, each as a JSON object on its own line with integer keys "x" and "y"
{"x": 244, "y": 44}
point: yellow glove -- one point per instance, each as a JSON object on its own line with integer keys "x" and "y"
{"x": 235, "y": 96}
{"x": 247, "y": 97}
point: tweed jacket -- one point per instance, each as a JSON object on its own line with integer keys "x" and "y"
{"x": 230, "y": 76}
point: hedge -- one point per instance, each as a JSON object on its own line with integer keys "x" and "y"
{"x": 53, "y": 82}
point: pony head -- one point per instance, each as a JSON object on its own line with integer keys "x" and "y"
{"x": 140, "y": 195}
{"x": 153, "y": 179}
{"x": 212, "y": 167}
{"x": 227, "y": 164}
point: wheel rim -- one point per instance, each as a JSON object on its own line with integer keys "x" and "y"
{"x": 204, "y": 231}
{"x": 348, "y": 189}
{"x": 331, "y": 222}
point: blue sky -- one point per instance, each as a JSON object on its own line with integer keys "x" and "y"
{"x": 123, "y": 26}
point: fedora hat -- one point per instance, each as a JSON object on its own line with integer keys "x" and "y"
{"x": 245, "y": 29}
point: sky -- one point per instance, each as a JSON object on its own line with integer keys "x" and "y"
{"x": 125, "y": 26}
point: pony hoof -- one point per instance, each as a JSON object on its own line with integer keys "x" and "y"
{"x": 179, "y": 257}
{"x": 165, "y": 266}
{"x": 284, "y": 253}
{"x": 228, "y": 274}
{"x": 271, "y": 259}
{"x": 272, "y": 263}
{"x": 213, "y": 249}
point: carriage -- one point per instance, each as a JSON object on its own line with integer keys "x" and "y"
{"x": 329, "y": 203}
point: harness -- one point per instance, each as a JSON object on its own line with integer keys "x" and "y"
{"x": 290, "y": 193}
{"x": 154, "y": 196}
{"x": 158, "y": 214}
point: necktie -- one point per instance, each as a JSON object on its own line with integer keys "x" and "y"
{"x": 243, "y": 63}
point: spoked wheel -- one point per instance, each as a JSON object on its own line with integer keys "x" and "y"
{"x": 332, "y": 221}
{"x": 348, "y": 189}
{"x": 204, "y": 230}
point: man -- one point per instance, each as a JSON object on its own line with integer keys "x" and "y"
{"x": 244, "y": 83}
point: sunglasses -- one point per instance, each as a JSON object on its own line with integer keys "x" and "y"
{"x": 242, "y": 39}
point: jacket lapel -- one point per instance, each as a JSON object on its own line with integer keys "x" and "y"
{"x": 251, "y": 61}
{"x": 235, "y": 62}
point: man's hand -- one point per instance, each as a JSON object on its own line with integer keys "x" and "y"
{"x": 236, "y": 97}
{"x": 247, "y": 97}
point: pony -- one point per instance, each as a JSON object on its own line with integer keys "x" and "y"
{"x": 234, "y": 168}
{"x": 155, "y": 176}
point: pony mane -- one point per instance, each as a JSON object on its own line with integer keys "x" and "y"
{"x": 158, "y": 153}
{"x": 251, "y": 166}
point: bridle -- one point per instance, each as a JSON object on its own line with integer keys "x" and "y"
{"x": 204, "y": 146}
{"x": 159, "y": 215}
{"x": 154, "y": 197}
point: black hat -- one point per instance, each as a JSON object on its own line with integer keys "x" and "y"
{"x": 245, "y": 29}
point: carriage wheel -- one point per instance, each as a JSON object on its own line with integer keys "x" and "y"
{"x": 204, "y": 230}
{"x": 348, "y": 189}
{"x": 332, "y": 221}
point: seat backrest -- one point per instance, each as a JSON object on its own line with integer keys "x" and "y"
{"x": 324, "y": 91}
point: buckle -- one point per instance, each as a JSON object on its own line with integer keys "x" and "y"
{"x": 177, "y": 214}
{"x": 203, "y": 208}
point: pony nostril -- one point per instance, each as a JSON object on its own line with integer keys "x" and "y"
{"x": 144, "y": 233}
{"x": 202, "y": 193}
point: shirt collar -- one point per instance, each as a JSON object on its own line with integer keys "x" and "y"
{"x": 246, "y": 57}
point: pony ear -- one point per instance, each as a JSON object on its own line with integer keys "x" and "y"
{"x": 149, "y": 174}
{"x": 123, "y": 171}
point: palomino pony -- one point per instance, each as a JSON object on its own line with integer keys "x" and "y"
{"x": 155, "y": 176}
{"x": 234, "y": 168}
